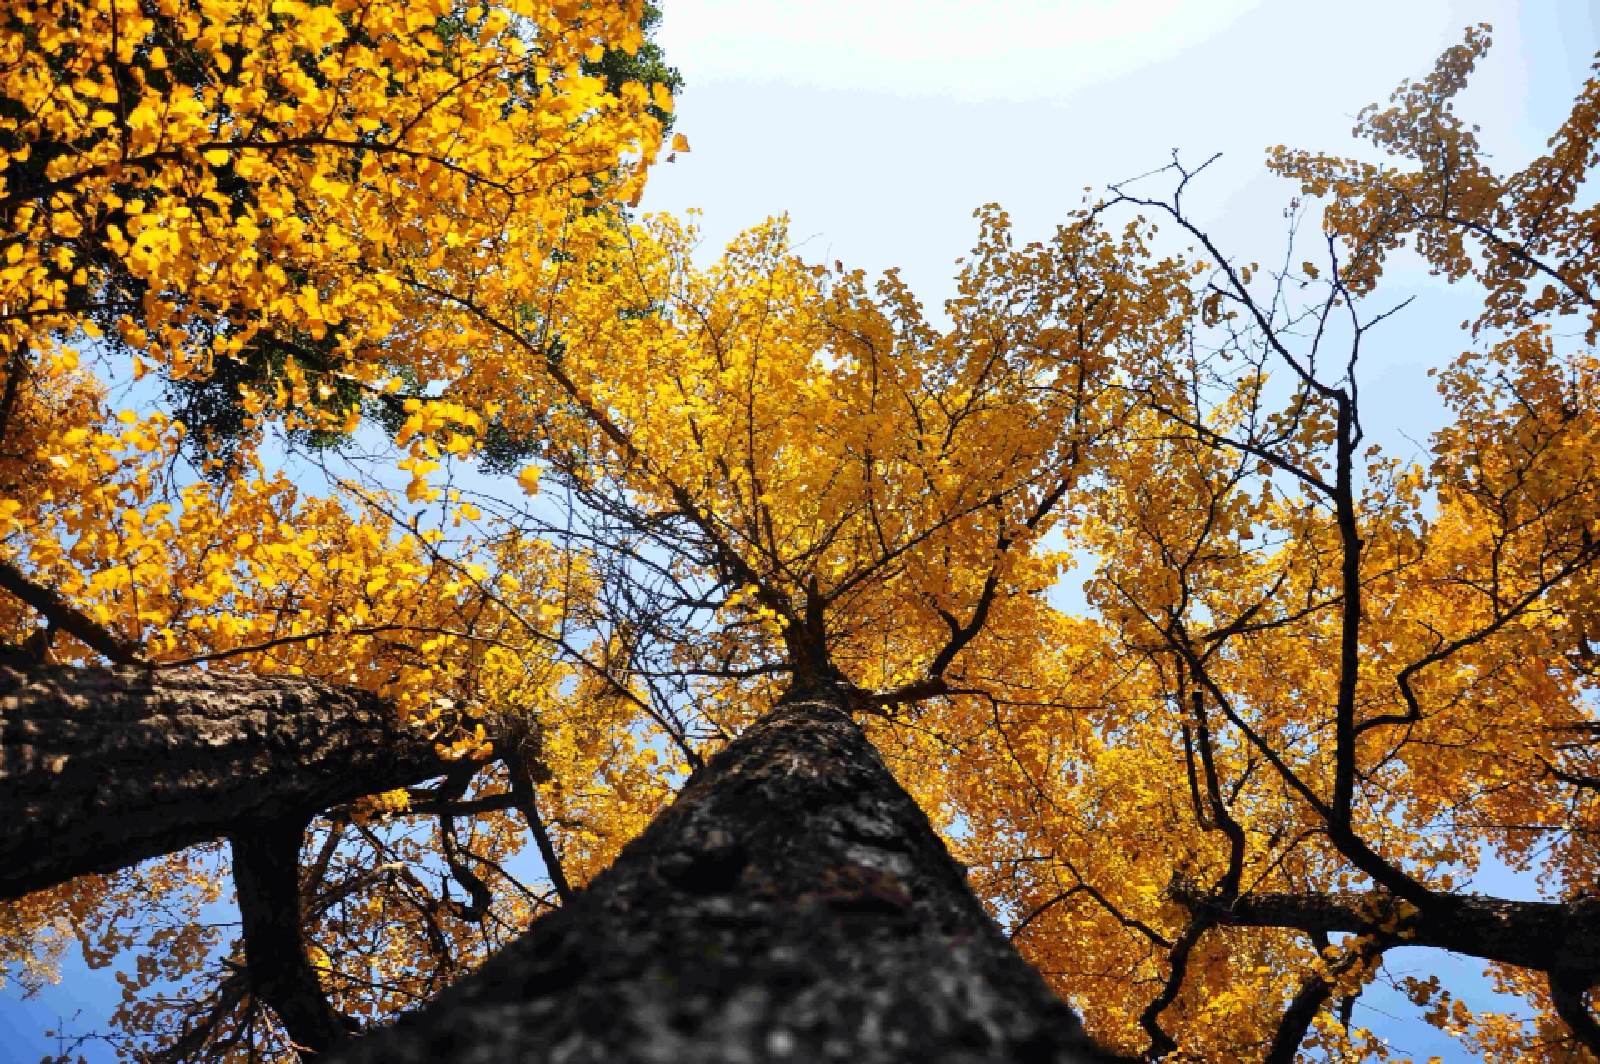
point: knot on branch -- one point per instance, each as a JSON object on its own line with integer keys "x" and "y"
{"x": 519, "y": 740}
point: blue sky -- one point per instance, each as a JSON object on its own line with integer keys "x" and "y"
{"x": 879, "y": 127}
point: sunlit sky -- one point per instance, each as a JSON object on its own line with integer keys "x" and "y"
{"x": 879, "y": 126}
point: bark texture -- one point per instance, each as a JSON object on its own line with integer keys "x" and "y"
{"x": 266, "y": 879}
{"x": 1557, "y": 937}
{"x": 100, "y": 768}
{"x": 792, "y": 904}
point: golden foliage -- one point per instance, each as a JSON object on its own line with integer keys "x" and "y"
{"x": 1307, "y": 667}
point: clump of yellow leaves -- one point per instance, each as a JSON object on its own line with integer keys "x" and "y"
{"x": 378, "y": 806}
{"x": 193, "y": 178}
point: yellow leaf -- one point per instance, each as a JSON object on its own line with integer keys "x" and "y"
{"x": 529, "y": 479}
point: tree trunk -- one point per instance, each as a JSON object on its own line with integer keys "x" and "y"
{"x": 792, "y": 904}
{"x": 100, "y": 768}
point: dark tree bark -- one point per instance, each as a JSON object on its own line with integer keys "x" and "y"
{"x": 792, "y": 904}
{"x": 266, "y": 878}
{"x": 100, "y": 768}
{"x": 1546, "y": 936}
{"x": 1566, "y": 994}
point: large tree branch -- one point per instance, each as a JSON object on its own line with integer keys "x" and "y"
{"x": 266, "y": 878}
{"x": 1161, "y": 1042}
{"x": 1545, "y": 936}
{"x": 100, "y": 768}
{"x": 524, "y": 787}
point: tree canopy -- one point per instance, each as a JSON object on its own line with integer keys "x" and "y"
{"x": 332, "y": 350}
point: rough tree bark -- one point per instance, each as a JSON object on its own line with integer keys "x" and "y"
{"x": 100, "y": 768}
{"x": 792, "y": 904}
{"x": 266, "y": 880}
{"x": 1561, "y": 937}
